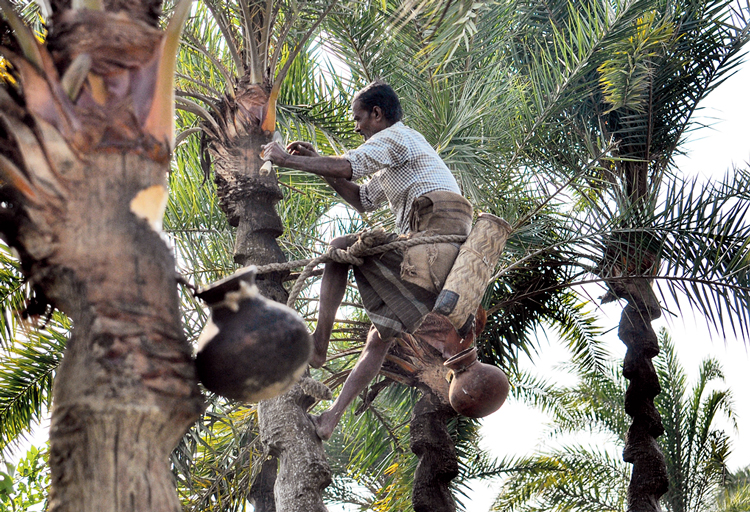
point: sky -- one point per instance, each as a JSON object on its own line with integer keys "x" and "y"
{"x": 517, "y": 429}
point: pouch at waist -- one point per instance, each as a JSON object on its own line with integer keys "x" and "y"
{"x": 435, "y": 213}
{"x": 441, "y": 213}
{"x": 428, "y": 265}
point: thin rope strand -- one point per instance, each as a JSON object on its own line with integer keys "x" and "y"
{"x": 353, "y": 255}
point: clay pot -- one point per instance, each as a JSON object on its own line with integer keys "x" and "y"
{"x": 251, "y": 348}
{"x": 477, "y": 389}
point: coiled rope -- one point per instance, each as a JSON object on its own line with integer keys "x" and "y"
{"x": 369, "y": 243}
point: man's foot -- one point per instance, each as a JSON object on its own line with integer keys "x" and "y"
{"x": 320, "y": 351}
{"x": 324, "y": 424}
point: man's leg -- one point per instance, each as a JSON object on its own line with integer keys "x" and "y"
{"x": 364, "y": 371}
{"x": 332, "y": 288}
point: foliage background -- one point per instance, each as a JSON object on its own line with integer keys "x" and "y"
{"x": 511, "y": 429}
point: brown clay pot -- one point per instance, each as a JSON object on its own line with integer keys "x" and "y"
{"x": 251, "y": 348}
{"x": 477, "y": 389}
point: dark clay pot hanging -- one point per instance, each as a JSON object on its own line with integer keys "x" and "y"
{"x": 251, "y": 348}
{"x": 477, "y": 389}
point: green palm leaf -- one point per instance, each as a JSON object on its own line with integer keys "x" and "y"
{"x": 27, "y": 370}
{"x": 577, "y": 477}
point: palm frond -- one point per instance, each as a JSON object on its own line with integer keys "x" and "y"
{"x": 27, "y": 370}
{"x": 373, "y": 450}
{"x": 13, "y": 295}
{"x": 575, "y": 478}
{"x": 218, "y": 458}
{"x": 695, "y": 449}
{"x": 584, "y": 478}
{"x": 703, "y": 240}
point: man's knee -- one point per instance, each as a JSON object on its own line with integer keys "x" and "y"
{"x": 375, "y": 342}
{"x": 339, "y": 242}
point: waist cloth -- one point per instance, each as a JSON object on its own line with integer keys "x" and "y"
{"x": 399, "y": 287}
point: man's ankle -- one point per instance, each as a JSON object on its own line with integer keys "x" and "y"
{"x": 320, "y": 349}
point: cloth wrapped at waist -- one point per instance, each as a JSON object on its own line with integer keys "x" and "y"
{"x": 437, "y": 213}
{"x": 399, "y": 289}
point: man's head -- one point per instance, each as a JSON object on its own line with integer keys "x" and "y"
{"x": 375, "y": 108}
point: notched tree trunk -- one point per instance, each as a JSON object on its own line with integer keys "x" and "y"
{"x": 84, "y": 184}
{"x": 624, "y": 258}
{"x": 287, "y": 433}
{"x": 248, "y": 196}
{"x": 416, "y": 361}
{"x": 649, "y": 480}
{"x": 438, "y": 463}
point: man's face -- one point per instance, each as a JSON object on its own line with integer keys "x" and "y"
{"x": 366, "y": 123}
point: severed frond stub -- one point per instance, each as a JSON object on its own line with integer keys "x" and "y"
{"x": 80, "y": 93}
{"x": 101, "y": 92}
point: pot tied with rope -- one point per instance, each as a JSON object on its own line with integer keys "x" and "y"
{"x": 252, "y": 348}
{"x": 400, "y": 277}
{"x": 477, "y": 389}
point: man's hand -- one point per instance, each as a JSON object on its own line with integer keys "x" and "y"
{"x": 301, "y": 148}
{"x": 275, "y": 153}
{"x": 337, "y": 171}
{"x": 303, "y": 157}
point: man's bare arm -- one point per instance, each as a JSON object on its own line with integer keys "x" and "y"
{"x": 326, "y": 166}
{"x": 348, "y": 190}
{"x": 303, "y": 157}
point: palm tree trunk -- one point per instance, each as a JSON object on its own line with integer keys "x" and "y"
{"x": 126, "y": 389}
{"x": 249, "y": 198}
{"x": 649, "y": 480}
{"x": 84, "y": 179}
{"x": 147, "y": 11}
{"x": 261, "y": 490}
{"x": 426, "y": 351}
{"x": 438, "y": 462}
{"x": 288, "y": 434}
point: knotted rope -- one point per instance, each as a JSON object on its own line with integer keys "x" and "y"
{"x": 369, "y": 243}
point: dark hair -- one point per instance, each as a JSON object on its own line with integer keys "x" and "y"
{"x": 380, "y": 94}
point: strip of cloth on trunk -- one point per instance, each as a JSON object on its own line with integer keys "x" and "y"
{"x": 399, "y": 288}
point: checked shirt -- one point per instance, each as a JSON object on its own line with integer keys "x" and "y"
{"x": 403, "y": 167}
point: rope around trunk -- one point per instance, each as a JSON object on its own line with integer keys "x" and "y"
{"x": 369, "y": 244}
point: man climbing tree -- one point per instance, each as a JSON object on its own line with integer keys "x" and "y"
{"x": 398, "y": 288}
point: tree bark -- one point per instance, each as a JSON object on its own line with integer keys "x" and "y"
{"x": 438, "y": 462}
{"x": 84, "y": 185}
{"x": 126, "y": 389}
{"x": 287, "y": 433}
{"x": 424, "y": 353}
{"x": 649, "y": 480}
{"x": 249, "y": 197}
{"x": 148, "y": 11}
{"x": 261, "y": 490}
